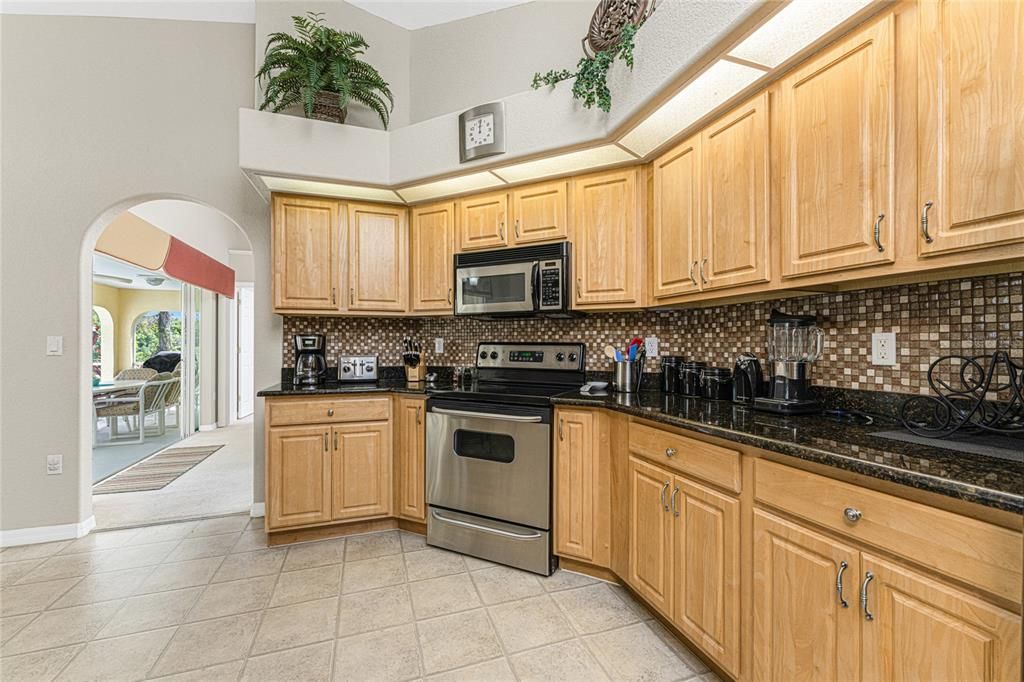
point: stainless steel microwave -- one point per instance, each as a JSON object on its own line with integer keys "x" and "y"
{"x": 522, "y": 282}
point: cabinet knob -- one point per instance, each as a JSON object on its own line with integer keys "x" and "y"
{"x": 670, "y": 452}
{"x": 852, "y": 515}
{"x": 330, "y": 412}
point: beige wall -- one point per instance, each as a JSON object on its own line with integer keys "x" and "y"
{"x": 153, "y": 114}
{"x": 124, "y": 306}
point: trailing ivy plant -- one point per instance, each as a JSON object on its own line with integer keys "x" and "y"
{"x": 591, "y": 86}
{"x": 320, "y": 60}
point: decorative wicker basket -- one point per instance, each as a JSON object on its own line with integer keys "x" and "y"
{"x": 326, "y": 108}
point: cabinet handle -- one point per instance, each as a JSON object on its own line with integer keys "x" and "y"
{"x": 335, "y": 440}
{"x": 517, "y": 228}
{"x": 924, "y": 222}
{"x": 419, "y": 408}
{"x": 501, "y": 230}
{"x": 578, "y": 287}
{"x": 330, "y": 412}
{"x": 664, "y": 490}
{"x": 703, "y": 277}
{"x": 852, "y": 515}
{"x": 839, "y": 584}
{"x": 878, "y": 232}
{"x": 326, "y": 447}
{"x": 670, "y": 452}
{"x": 692, "y": 278}
{"x": 351, "y": 295}
{"x": 561, "y": 423}
{"x": 449, "y": 295}
{"x": 868, "y": 577}
{"x": 675, "y": 491}
{"x": 334, "y": 293}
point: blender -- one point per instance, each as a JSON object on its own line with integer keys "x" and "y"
{"x": 795, "y": 342}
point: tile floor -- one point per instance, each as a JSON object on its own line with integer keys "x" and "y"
{"x": 206, "y": 600}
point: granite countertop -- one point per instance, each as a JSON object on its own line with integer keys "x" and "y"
{"x": 989, "y": 481}
{"x": 338, "y": 388}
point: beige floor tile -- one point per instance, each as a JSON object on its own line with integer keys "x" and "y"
{"x": 709, "y": 677}
{"x": 14, "y": 571}
{"x": 104, "y": 587}
{"x": 529, "y": 623}
{"x": 305, "y": 585}
{"x": 40, "y": 666}
{"x": 497, "y": 670}
{"x": 567, "y": 662}
{"x": 412, "y": 542}
{"x": 565, "y": 580}
{"x": 250, "y": 565}
{"x": 38, "y": 551}
{"x": 456, "y": 641}
{"x": 594, "y": 608}
{"x": 636, "y": 653}
{"x": 475, "y": 564}
{"x": 222, "y": 672}
{"x": 250, "y": 541}
{"x": 372, "y": 545}
{"x": 61, "y": 627}
{"x": 151, "y": 611}
{"x": 19, "y": 599}
{"x": 382, "y": 656}
{"x": 308, "y": 663}
{"x": 10, "y": 625}
{"x": 297, "y": 625}
{"x": 108, "y": 539}
{"x": 202, "y": 547}
{"x": 121, "y": 658}
{"x": 164, "y": 532}
{"x": 441, "y": 596}
{"x": 257, "y": 523}
{"x": 133, "y": 557}
{"x": 61, "y": 566}
{"x": 677, "y": 647}
{"x": 199, "y": 645}
{"x": 627, "y": 598}
{"x": 433, "y": 563}
{"x": 314, "y": 554}
{"x": 501, "y": 583}
{"x": 220, "y": 525}
{"x": 374, "y": 610}
{"x": 175, "y": 576}
{"x": 239, "y": 596}
{"x": 373, "y": 573}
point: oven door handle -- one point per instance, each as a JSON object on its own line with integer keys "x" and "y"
{"x": 489, "y": 415}
{"x": 495, "y": 531}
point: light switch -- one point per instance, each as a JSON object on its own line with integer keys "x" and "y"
{"x": 55, "y": 345}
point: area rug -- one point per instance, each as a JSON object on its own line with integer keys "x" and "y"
{"x": 156, "y": 472}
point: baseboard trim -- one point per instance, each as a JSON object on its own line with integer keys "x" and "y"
{"x": 207, "y": 427}
{"x": 34, "y": 536}
{"x": 258, "y": 509}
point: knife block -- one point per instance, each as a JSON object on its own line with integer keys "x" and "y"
{"x": 417, "y": 373}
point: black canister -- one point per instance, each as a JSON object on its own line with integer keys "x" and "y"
{"x": 670, "y": 373}
{"x": 716, "y": 383}
{"x": 689, "y": 378}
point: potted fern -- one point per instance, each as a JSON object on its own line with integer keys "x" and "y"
{"x": 321, "y": 70}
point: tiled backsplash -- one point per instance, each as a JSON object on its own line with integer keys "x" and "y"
{"x": 969, "y": 316}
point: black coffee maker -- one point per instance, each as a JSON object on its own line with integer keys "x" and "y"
{"x": 747, "y": 379}
{"x": 310, "y": 360}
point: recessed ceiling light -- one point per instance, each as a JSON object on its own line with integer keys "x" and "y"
{"x": 450, "y": 186}
{"x": 328, "y": 189}
{"x": 564, "y": 164}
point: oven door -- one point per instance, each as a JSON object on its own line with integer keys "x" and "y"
{"x": 490, "y": 461}
{"x": 491, "y": 289}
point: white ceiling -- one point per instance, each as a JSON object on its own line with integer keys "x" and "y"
{"x": 414, "y": 14}
{"x": 104, "y": 265}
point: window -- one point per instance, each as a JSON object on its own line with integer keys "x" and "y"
{"x": 102, "y": 343}
{"x": 154, "y": 332}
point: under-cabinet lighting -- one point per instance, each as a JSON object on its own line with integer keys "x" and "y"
{"x": 709, "y": 90}
{"x": 450, "y": 186}
{"x": 564, "y": 164}
{"x": 796, "y": 26}
{"x": 276, "y": 183}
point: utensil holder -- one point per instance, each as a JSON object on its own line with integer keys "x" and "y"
{"x": 414, "y": 374}
{"x": 628, "y": 374}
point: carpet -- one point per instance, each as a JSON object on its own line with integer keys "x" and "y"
{"x": 156, "y": 472}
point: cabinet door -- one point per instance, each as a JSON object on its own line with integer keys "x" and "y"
{"x": 540, "y": 213}
{"x": 306, "y": 262}
{"x": 433, "y": 243}
{"x": 675, "y": 232}
{"x": 801, "y": 629}
{"x": 971, "y": 124}
{"x": 361, "y": 470}
{"x": 482, "y": 222}
{"x": 377, "y": 265}
{"x": 298, "y": 476}
{"x": 707, "y": 569}
{"x": 924, "y": 629}
{"x": 837, "y": 155}
{"x": 650, "y": 534}
{"x": 411, "y": 445}
{"x": 606, "y": 230}
{"x": 575, "y": 484}
{"x": 734, "y": 242}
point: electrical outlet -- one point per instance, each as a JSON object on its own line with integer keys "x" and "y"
{"x": 883, "y": 348}
{"x": 439, "y": 346}
{"x": 54, "y": 464}
{"x": 651, "y": 346}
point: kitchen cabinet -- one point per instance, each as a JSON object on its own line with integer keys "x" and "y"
{"x": 837, "y": 149}
{"x": 378, "y": 237}
{"x": 306, "y": 267}
{"x": 298, "y": 476}
{"x": 582, "y": 486}
{"x": 607, "y": 219}
{"x": 361, "y": 470}
{"x": 676, "y": 224}
{"x": 970, "y": 117}
{"x": 482, "y": 221}
{"x": 650, "y": 534}
{"x": 410, "y": 455}
{"x": 432, "y": 244}
{"x": 540, "y": 213}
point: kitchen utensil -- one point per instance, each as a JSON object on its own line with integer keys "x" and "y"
{"x": 748, "y": 380}
{"x": 594, "y": 387}
{"x": 610, "y": 352}
{"x": 628, "y": 374}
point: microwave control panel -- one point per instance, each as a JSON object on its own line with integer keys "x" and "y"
{"x": 551, "y": 285}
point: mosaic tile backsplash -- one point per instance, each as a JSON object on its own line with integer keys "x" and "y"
{"x": 969, "y": 316}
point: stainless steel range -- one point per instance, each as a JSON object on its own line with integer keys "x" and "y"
{"x": 489, "y": 456}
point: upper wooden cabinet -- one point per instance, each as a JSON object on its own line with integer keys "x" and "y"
{"x": 377, "y": 258}
{"x": 306, "y": 264}
{"x": 432, "y": 244}
{"x": 483, "y": 221}
{"x": 608, "y": 240}
{"x": 837, "y": 148}
{"x": 675, "y": 231}
{"x": 971, "y": 124}
{"x": 540, "y": 213}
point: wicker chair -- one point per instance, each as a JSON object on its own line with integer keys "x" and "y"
{"x": 173, "y": 397}
{"x": 135, "y": 374}
{"x": 148, "y": 400}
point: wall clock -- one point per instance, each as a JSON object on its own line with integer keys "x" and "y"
{"x": 482, "y": 131}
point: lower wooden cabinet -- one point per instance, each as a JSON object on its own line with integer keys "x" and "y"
{"x": 410, "y": 458}
{"x": 361, "y": 470}
{"x": 298, "y": 476}
{"x": 582, "y": 487}
{"x": 650, "y": 534}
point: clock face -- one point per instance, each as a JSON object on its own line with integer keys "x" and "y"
{"x": 479, "y": 131}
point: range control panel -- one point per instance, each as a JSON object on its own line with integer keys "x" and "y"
{"x": 357, "y": 368}
{"x": 559, "y": 356}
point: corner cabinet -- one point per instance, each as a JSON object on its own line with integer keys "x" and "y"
{"x": 306, "y": 246}
{"x": 432, "y": 245}
{"x": 378, "y": 265}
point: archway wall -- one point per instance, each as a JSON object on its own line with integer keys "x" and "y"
{"x": 138, "y": 116}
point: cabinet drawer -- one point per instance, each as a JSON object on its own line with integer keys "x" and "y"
{"x": 976, "y": 552}
{"x": 326, "y": 411}
{"x": 711, "y": 463}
